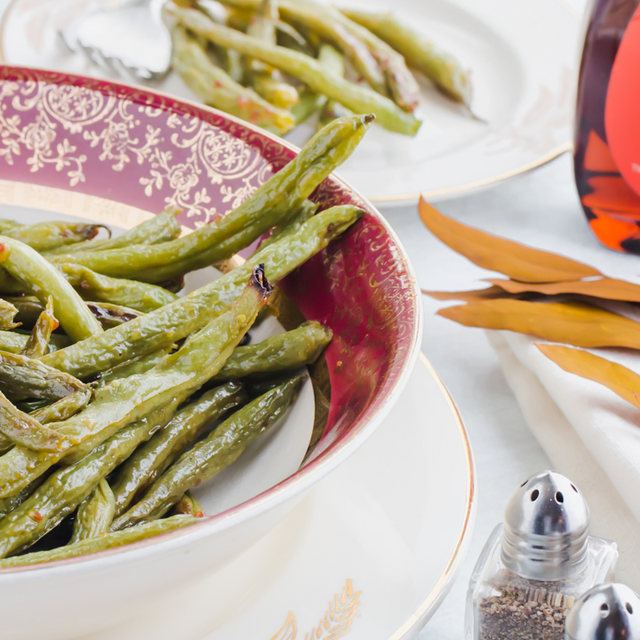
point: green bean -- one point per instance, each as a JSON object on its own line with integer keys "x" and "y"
{"x": 332, "y": 109}
{"x": 21, "y": 429}
{"x": 96, "y": 287}
{"x": 163, "y": 327}
{"x": 95, "y": 514}
{"x": 310, "y": 101}
{"x": 275, "y": 200}
{"x": 45, "y": 236}
{"x": 64, "y": 408}
{"x": 5, "y": 225}
{"x": 108, "y": 315}
{"x": 22, "y": 378}
{"x": 440, "y": 67}
{"x": 189, "y": 506}
{"x": 283, "y": 352}
{"x": 124, "y": 401}
{"x": 7, "y": 505}
{"x": 110, "y": 541}
{"x": 160, "y": 228}
{"x": 155, "y": 456}
{"x": 134, "y": 367}
{"x": 38, "y": 342}
{"x": 267, "y": 81}
{"x": 112, "y": 315}
{"x": 211, "y": 455}
{"x": 231, "y": 63}
{"x": 7, "y": 314}
{"x": 15, "y": 342}
{"x": 288, "y": 228}
{"x": 63, "y": 491}
{"x": 310, "y": 71}
{"x": 212, "y": 85}
{"x": 31, "y": 269}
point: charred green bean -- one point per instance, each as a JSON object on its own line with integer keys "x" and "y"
{"x": 45, "y": 236}
{"x": 161, "y": 328}
{"x": 64, "y": 408}
{"x": 15, "y": 342}
{"x": 153, "y": 458}
{"x": 211, "y": 455}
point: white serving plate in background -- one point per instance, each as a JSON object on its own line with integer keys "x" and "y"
{"x": 522, "y": 56}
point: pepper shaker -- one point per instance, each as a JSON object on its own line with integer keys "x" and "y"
{"x": 536, "y": 565}
{"x": 606, "y": 612}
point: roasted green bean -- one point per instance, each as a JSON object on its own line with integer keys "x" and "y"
{"x": 306, "y": 69}
{"x": 45, "y": 236}
{"x": 283, "y": 352}
{"x": 96, "y": 287}
{"x": 124, "y": 401}
{"x": 7, "y": 505}
{"x": 110, "y": 541}
{"x": 214, "y": 86}
{"x": 189, "y": 506}
{"x": 332, "y": 109}
{"x": 310, "y": 102}
{"x": 134, "y": 367}
{"x": 160, "y": 228}
{"x": 95, "y": 514}
{"x": 292, "y": 226}
{"x": 277, "y": 199}
{"x": 440, "y": 67}
{"x": 63, "y": 491}
{"x": 112, "y": 315}
{"x": 8, "y": 313}
{"x": 64, "y": 408}
{"x": 163, "y": 327}
{"x": 15, "y": 342}
{"x": 38, "y": 342}
{"x": 21, "y": 429}
{"x": 211, "y": 455}
{"x": 35, "y": 272}
{"x": 22, "y": 378}
{"x": 267, "y": 81}
{"x": 152, "y": 459}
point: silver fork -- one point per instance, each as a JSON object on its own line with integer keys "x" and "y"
{"x": 129, "y": 39}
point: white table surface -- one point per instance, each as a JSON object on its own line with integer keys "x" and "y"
{"x": 541, "y": 205}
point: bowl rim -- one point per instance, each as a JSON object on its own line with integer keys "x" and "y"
{"x": 306, "y": 476}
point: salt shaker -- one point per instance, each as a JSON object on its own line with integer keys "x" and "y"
{"x": 606, "y": 612}
{"x": 536, "y": 565}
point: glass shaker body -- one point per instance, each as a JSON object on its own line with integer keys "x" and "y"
{"x": 502, "y": 605}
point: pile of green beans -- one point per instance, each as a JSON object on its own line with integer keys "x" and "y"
{"x": 268, "y": 62}
{"x": 117, "y": 396}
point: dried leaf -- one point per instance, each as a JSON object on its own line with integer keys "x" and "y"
{"x": 498, "y": 254}
{"x": 468, "y": 296}
{"x": 597, "y": 287}
{"x": 619, "y": 379}
{"x": 573, "y": 323}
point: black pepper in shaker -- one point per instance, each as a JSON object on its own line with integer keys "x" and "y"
{"x": 535, "y": 565}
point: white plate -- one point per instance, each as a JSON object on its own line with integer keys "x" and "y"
{"x": 368, "y": 555}
{"x": 522, "y": 56}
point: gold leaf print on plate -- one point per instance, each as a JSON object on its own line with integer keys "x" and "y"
{"x": 335, "y": 623}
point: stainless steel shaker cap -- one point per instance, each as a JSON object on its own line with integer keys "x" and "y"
{"x": 606, "y": 612}
{"x": 546, "y": 529}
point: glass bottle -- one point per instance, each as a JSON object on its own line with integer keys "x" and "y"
{"x": 537, "y": 564}
{"x": 607, "y": 133}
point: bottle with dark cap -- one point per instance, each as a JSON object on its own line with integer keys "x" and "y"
{"x": 536, "y": 565}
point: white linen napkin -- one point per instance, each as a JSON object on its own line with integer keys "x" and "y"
{"x": 589, "y": 433}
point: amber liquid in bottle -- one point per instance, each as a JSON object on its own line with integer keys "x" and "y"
{"x": 610, "y": 203}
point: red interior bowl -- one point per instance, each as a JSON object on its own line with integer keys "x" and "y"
{"x": 111, "y": 151}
